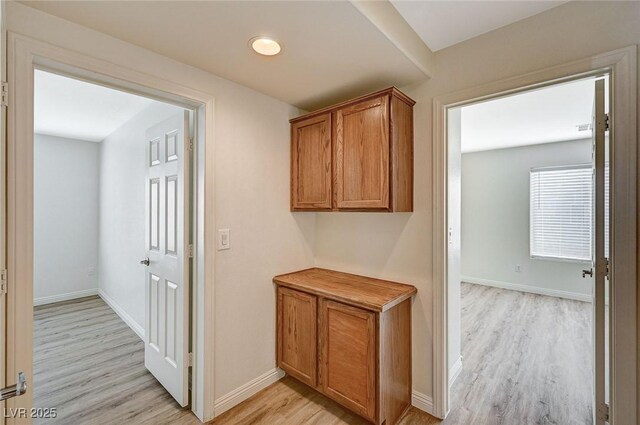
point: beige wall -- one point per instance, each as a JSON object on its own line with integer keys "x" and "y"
{"x": 252, "y": 194}
{"x": 398, "y": 246}
{"x": 252, "y": 173}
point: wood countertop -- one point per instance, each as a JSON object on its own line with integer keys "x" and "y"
{"x": 365, "y": 292}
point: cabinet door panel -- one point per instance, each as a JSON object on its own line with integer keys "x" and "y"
{"x": 362, "y": 155}
{"x": 348, "y": 356}
{"x": 311, "y": 163}
{"x": 297, "y": 337}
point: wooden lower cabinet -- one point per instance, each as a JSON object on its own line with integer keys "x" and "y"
{"x": 297, "y": 324}
{"x": 348, "y": 356}
{"x": 359, "y": 357}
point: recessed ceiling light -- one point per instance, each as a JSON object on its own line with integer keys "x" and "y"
{"x": 265, "y": 46}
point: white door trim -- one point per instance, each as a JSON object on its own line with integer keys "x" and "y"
{"x": 24, "y": 54}
{"x": 622, "y": 66}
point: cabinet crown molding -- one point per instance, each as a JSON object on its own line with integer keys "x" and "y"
{"x": 388, "y": 91}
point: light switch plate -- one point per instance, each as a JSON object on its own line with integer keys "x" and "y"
{"x": 224, "y": 239}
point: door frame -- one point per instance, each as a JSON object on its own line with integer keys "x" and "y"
{"x": 24, "y": 55}
{"x": 621, "y": 65}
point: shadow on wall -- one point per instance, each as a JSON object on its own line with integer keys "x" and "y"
{"x": 306, "y": 224}
{"x": 396, "y": 247}
{"x": 368, "y": 240}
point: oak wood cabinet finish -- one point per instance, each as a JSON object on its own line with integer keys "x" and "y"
{"x": 348, "y": 356}
{"x": 370, "y": 155}
{"x": 362, "y": 155}
{"x": 311, "y": 186}
{"x": 362, "y": 342}
{"x": 297, "y": 331}
{"x": 360, "y": 291}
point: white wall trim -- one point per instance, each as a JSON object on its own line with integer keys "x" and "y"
{"x": 528, "y": 288}
{"x": 126, "y": 318}
{"x": 455, "y": 371}
{"x": 245, "y": 391}
{"x": 422, "y": 402}
{"x": 65, "y": 297}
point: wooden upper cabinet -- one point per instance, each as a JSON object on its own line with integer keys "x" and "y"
{"x": 361, "y": 155}
{"x": 370, "y": 155}
{"x": 311, "y": 163}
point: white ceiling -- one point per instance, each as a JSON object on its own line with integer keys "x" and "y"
{"x": 535, "y": 117}
{"x": 70, "y": 108}
{"x": 331, "y": 51}
{"x": 442, "y": 24}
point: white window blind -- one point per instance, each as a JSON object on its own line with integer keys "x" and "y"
{"x": 561, "y": 218}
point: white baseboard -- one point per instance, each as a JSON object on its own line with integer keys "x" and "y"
{"x": 242, "y": 393}
{"x": 65, "y": 297}
{"x": 422, "y": 402}
{"x": 527, "y": 288}
{"x": 126, "y": 318}
{"x": 454, "y": 371}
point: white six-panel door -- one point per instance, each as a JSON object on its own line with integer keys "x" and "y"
{"x": 167, "y": 278}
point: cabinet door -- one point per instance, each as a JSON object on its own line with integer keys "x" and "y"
{"x": 311, "y": 163}
{"x": 297, "y": 337}
{"x": 362, "y": 155}
{"x": 348, "y": 356}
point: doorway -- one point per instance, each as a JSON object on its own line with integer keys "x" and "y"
{"x": 621, "y": 66}
{"x": 523, "y": 234}
{"x": 155, "y": 81}
{"x": 112, "y": 238}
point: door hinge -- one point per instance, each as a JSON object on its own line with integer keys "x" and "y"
{"x": 190, "y": 251}
{"x": 3, "y": 282}
{"x": 606, "y": 122}
{"x": 606, "y": 268}
{"x": 191, "y": 144}
{"x": 190, "y": 359}
{"x": 603, "y": 412}
{"x": 5, "y": 93}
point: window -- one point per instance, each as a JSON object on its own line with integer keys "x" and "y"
{"x": 561, "y": 218}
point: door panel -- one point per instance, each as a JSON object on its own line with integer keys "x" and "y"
{"x": 172, "y": 215}
{"x": 167, "y": 293}
{"x": 154, "y": 215}
{"x": 311, "y": 163}
{"x": 362, "y": 155}
{"x": 297, "y": 328}
{"x": 348, "y": 359}
{"x": 153, "y": 325}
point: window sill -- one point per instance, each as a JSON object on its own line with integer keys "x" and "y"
{"x": 560, "y": 259}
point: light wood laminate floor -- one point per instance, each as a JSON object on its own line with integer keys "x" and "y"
{"x": 89, "y": 365}
{"x": 527, "y": 360}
